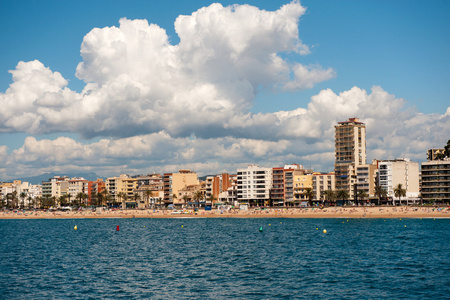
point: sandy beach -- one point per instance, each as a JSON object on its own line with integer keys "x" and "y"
{"x": 329, "y": 212}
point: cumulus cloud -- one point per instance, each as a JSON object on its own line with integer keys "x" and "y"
{"x": 161, "y": 107}
{"x": 393, "y": 130}
{"x": 137, "y": 82}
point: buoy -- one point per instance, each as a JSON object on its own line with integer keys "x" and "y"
{"x": 405, "y": 225}
{"x": 261, "y": 229}
{"x": 144, "y": 226}
{"x": 317, "y": 228}
{"x": 324, "y": 231}
{"x": 181, "y": 226}
{"x": 270, "y": 224}
{"x": 117, "y": 229}
{"x": 75, "y": 227}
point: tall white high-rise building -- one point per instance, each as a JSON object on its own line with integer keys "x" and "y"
{"x": 253, "y": 185}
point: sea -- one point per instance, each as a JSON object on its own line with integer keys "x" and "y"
{"x": 229, "y": 258}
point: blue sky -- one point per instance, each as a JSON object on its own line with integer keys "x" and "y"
{"x": 400, "y": 46}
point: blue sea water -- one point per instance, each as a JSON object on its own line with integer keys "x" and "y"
{"x": 225, "y": 259}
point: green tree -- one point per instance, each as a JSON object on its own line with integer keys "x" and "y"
{"x": 185, "y": 198}
{"x": 330, "y": 195}
{"x": 380, "y": 193}
{"x": 447, "y": 149}
{"x": 361, "y": 195}
{"x": 399, "y": 191}
{"x": 99, "y": 197}
{"x": 197, "y": 197}
{"x": 22, "y": 196}
{"x": 309, "y": 193}
{"x": 136, "y": 199}
{"x": 148, "y": 194}
{"x": 342, "y": 194}
{"x": 80, "y": 196}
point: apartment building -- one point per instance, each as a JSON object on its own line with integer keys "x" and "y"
{"x": 216, "y": 185}
{"x": 366, "y": 178}
{"x": 399, "y": 171}
{"x": 436, "y": 181}
{"x": 302, "y": 182}
{"x": 350, "y": 152}
{"x": 322, "y": 182}
{"x": 254, "y": 184}
{"x": 174, "y": 182}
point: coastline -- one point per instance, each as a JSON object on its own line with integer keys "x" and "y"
{"x": 329, "y": 212}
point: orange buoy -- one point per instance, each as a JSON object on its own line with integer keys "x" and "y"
{"x": 117, "y": 229}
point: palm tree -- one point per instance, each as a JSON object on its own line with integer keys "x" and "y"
{"x": 330, "y": 195}
{"x": 399, "y": 191}
{"x": 68, "y": 196}
{"x": 361, "y": 195}
{"x": 22, "y": 196}
{"x": 136, "y": 198}
{"x": 62, "y": 200}
{"x": 30, "y": 201}
{"x": 185, "y": 198}
{"x": 148, "y": 195}
{"x": 99, "y": 198}
{"x": 309, "y": 193}
{"x": 197, "y": 197}
{"x": 174, "y": 196}
{"x": 380, "y": 193}
{"x": 80, "y": 196}
{"x": 122, "y": 196}
{"x": 14, "y": 199}
{"x": 342, "y": 194}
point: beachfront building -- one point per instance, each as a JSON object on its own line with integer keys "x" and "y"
{"x": 253, "y": 185}
{"x": 114, "y": 187}
{"x": 78, "y": 190}
{"x": 174, "y": 182}
{"x": 350, "y": 152}
{"x": 322, "y": 182}
{"x": 366, "y": 178}
{"x": 283, "y": 190}
{"x": 436, "y": 181}
{"x": 229, "y": 196}
{"x": 94, "y": 188}
{"x": 302, "y": 182}
{"x": 192, "y": 195}
{"x": 149, "y": 190}
{"x": 23, "y": 194}
{"x": 215, "y": 185}
{"x": 50, "y": 188}
{"x": 400, "y": 171}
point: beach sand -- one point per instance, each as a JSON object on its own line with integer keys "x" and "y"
{"x": 328, "y": 212}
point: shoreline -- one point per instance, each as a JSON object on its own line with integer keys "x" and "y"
{"x": 326, "y": 213}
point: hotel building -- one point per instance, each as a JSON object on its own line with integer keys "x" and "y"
{"x": 436, "y": 181}
{"x": 253, "y": 185}
{"x": 350, "y": 152}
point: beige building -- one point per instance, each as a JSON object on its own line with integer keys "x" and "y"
{"x": 301, "y": 183}
{"x": 400, "y": 171}
{"x": 366, "y": 177}
{"x": 174, "y": 182}
{"x": 350, "y": 152}
{"x": 322, "y": 182}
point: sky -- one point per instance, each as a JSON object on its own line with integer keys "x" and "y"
{"x": 138, "y": 87}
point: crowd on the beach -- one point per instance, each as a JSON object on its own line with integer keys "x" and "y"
{"x": 326, "y": 212}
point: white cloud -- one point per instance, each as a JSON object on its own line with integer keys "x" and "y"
{"x": 162, "y": 107}
{"x": 139, "y": 83}
{"x": 392, "y": 131}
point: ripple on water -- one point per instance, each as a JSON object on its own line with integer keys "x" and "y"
{"x": 224, "y": 259}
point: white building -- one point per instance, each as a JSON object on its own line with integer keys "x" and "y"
{"x": 253, "y": 185}
{"x": 399, "y": 171}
